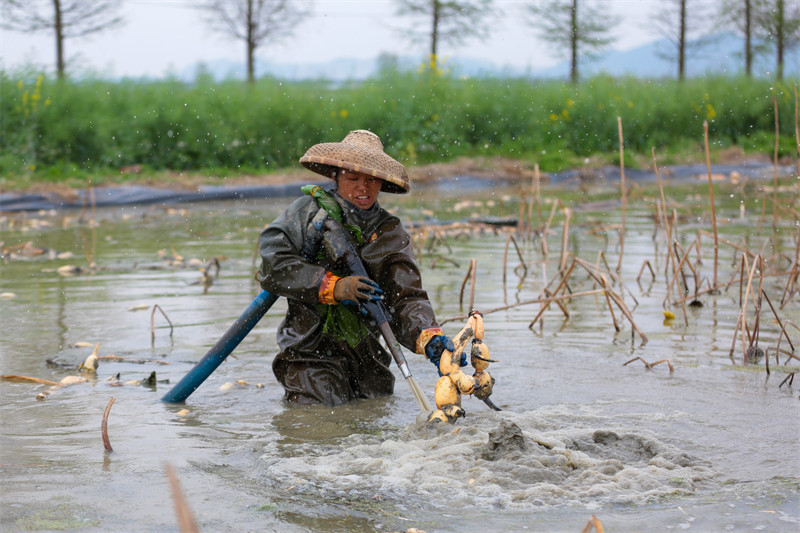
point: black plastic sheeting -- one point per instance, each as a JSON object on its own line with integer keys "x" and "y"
{"x": 142, "y": 195}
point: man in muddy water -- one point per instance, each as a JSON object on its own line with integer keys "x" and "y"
{"x": 327, "y": 353}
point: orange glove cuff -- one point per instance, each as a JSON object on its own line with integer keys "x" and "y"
{"x": 425, "y": 336}
{"x": 326, "y": 288}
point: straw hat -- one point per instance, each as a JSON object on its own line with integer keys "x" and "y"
{"x": 361, "y": 151}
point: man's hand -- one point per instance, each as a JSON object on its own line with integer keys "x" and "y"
{"x": 356, "y": 289}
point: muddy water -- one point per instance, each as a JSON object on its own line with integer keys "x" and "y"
{"x": 712, "y": 446}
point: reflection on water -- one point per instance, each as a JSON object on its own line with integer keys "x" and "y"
{"x": 710, "y": 446}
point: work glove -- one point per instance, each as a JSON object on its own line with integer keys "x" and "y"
{"x": 437, "y": 345}
{"x": 353, "y": 290}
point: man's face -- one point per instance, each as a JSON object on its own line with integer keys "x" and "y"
{"x": 359, "y": 189}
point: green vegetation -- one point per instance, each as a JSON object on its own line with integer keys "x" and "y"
{"x": 57, "y": 131}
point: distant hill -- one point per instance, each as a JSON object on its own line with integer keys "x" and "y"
{"x": 722, "y": 55}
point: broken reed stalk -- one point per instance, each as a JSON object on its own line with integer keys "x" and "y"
{"x": 756, "y": 327}
{"x": 735, "y": 334}
{"x": 474, "y": 269}
{"x": 780, "y": 323}
{"x": 558, "y": 303}
{"x": 649, "y": 267}
{"x": 617, "y": 299}
{"x": 608, "y": 302}
{"x": 610, "y": 273}
{"x": 511, "y": 239}
{"x": 152, "y": 323}
{"x": 684, "y": 261}
{"x": 537, "y": 178}
{"x": 713, "y": 207}
{"x": 775, "y": 166}
{"x": 625, "y": 311}
{"x": 650, "y": 366}
{"x": 593, "y": 523}
{"x": 667, "y": 227}
{"x": 624, "y": 192}
{"x": 789, "y": 378}
{"x": 104, "y": 426}
{"x": 464, "y": 285}
{"x": 531, "y": 195}
{"x": 745, "y": 343}
{"x": 561, "y": 284}
{"x": 597, "y": 268}
{"x": 28, "y": 379}
{"x": 788, "y": 291}
{"x": 185, "y": 518}
{"x": 675, "y": 268}
{"x": 546, "y": 229}
{"x": 565, "y": 240}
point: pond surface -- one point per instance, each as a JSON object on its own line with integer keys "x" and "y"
{"x": 712, "y": 446}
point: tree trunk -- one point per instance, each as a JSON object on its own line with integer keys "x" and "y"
{"x": 59, "y": 28}
{"x": 780, "y": 37}
{"x": 573, "y": 74}
{"x": 251, "y": 44}
{"x": 682, "y": 43}
{"x": 435, "y": 33}
{"x": 748, "y": 41}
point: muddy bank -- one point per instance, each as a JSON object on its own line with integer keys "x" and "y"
{"x": 462, "y": 175}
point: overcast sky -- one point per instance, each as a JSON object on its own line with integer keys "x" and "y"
{"x": 162, "y": 36}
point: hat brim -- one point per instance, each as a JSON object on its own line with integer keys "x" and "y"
{"x": 326, "y": 165}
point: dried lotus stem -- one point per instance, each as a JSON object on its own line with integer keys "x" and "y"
{"x": 624, "y": 192}
{"x": 474, "y": 268}
{"x": 650, "y": 366}
{"x": 593, "y": 523}
{"x": 649, "y": 267}
{"x": 152, "y": 323}
{"x": 28, "y": 379}
{"x": 464, "y": 284}
{"x": 185, "y": 518}
{"x": 608, "y": 301}
{"x": 713, "y": 209}
{"x": 104, "y": 426}
{"x": 511, "y": 239}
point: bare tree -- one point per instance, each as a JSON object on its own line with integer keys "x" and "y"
{"x": 684, "y": 23}
{"x": 67, "y": 19}
{"x": 739, "y": 15}
{"x": 253, "y": 21}
{"x": 574, "y": 25}
{"x": 449, "y": 21}
{"x": 778, "y": 24}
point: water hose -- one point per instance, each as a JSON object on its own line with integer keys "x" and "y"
{"x": 224, "y": 346}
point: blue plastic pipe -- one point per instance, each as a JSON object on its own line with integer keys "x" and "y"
{"x": 222, "y": 349}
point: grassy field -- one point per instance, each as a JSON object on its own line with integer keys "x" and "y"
{"x": 96, "y": 130}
